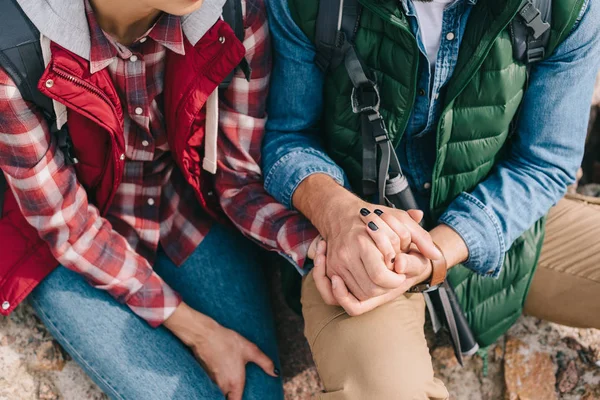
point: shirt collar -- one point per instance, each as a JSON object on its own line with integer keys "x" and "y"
{"x": 407, "y": 9}
{"x": 167, "y": 31}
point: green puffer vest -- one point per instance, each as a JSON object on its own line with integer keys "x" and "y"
{"x": 479, "y": 103}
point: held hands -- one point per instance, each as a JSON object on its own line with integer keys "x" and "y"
{"x": 382, "y": 254}
{"x": 222, "y": 352}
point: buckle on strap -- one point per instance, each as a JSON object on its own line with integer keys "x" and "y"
{"x": 533, "y": 19}
{"x": 535, "y": 54}
{"x": 366, "y": 98}
{"x": 65, "y": 145}
{"x": 378, "y": 128}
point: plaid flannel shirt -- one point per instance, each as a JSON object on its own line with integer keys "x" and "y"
{"x": 153, "y": 204}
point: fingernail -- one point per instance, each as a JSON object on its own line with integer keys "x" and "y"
{"x": 276, "y": 371}
{"x": 378, "y": 212}
{"x": 372, "y": 226}
{"x": 393, "y": 260}
{"x": 334, "y": 283}
{"x": 364, "y": 212}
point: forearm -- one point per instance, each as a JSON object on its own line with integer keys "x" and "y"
{"x": 325, "y": 202}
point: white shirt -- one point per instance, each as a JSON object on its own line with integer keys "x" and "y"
{"x": 430, "y": 16}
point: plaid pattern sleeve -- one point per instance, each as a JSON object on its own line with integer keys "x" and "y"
{"x": 52, "y": 200}
{"x": 239, "y": 181}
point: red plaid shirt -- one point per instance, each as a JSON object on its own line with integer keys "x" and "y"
{"x": 153, "y": 204}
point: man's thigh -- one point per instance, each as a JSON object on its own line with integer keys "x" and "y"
{"x": 382, "y": 354}
{"x": 566, "y": 284}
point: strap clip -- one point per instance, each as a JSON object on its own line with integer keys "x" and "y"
{"x": 366, "y": 98}
{"x": 379, "y": 130}
{"x": 65, "y": 144}
{"x": 532, "y": 18}
{"x": 535, "y": 54}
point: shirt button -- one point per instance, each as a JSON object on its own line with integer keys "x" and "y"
{"x": 133, "y": 58}
{"x": 122, "y": 157}
{"x": 143, "y": 40}
{"x": 49, "y": 83}
{"x": 139, "y": 111}
{"x": 427, "y": 186}
{"x": 151, "y": 202}
{"x": 222, "y": 39}
{"x": 421, "y": 92}
{"x": 5, "y": 305}
{"x": 145, "y": 143}
{"x": 450, "y": 36}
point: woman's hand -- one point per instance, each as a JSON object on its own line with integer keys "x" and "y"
{"x": 222, "y": 352}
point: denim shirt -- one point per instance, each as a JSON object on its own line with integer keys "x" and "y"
{"x": 544, "y": 158}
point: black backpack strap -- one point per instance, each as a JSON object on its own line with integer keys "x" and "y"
{"x": 21, "y": 58}
{"x": 21, "y": 54}
{"x": 234, "y": 16}
{"x": 530, "y": 30}
{"x": 337, "y": 23}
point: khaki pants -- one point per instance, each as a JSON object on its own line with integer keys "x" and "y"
{"x": 383, "y": 355}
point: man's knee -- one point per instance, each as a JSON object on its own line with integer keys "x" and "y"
{"x": 380, "y": 355}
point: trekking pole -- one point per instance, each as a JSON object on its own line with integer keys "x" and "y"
{"x": 442, "y": 301}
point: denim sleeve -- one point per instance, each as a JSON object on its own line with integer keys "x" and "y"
{"x": 545, "y": 155}
{"x": 292, "y": 149}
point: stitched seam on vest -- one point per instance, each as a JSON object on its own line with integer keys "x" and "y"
{"x": 455, "y": 175}
{"x": 494, "y": 136}
{"x": 475, "y": 106}
{"x": 22, "y": 260}
{"x": 503, "y": 321}
{"x": 498, "y": 293}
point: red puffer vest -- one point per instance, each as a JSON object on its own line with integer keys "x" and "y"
{"x": 95, "y": 122}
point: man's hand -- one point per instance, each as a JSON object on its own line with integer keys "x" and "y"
{"x": 413, "y": 265}
{"x": 366, "y": 266}
{"x": 222, "y": 352}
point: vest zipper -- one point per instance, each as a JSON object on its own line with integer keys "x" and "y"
{"x": 84, "y": 85}
{"x": 98, "y": 93}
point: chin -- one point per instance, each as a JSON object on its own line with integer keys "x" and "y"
{"x": 182, "y": 7}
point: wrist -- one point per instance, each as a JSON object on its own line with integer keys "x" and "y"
{"x": 190, "y": 326}
{"x": 324, "y": 202}
{"x": 451, "y": 244}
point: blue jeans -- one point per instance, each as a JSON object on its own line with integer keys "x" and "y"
{"x": 223, "y": 278}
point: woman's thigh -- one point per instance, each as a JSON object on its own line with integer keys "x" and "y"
{"x": 225, "y": 279}
{"x": 129, "y": 359}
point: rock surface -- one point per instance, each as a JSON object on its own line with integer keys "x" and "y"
{"x": 33, "y": 368}
{"x": 527, "y": 374}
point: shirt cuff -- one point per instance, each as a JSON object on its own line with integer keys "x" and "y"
{"x": 480, "y": 229}
{"x": 288, "y": 173}
{"x": 155, "y": 301}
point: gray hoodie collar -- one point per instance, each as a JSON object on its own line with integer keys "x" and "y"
{"x": 64, "y": 22}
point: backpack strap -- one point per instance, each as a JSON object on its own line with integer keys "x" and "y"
{"x": 530, "y": 31}
{"x": 234, "y": 16}
{"x": 21, "y": 55}
{"x": 21, "y": 58}
{"x": 330, "y": 38}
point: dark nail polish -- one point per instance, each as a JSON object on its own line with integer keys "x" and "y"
{"x": 372, "y": 226}
{"x": 364, "y": 212}
{"x": 378, "y": 212}
{"x": 276, "y": 371}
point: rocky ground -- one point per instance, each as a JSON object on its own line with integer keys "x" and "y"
{"x": 536, "y": 360}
